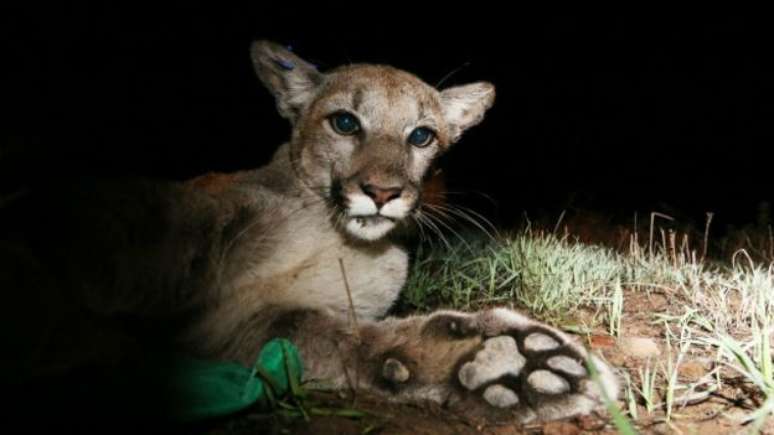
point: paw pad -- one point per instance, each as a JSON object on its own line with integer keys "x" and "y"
{"x": 567, "y": 365}
{"x": 500, "y": 396}
{"x": 500, "y": 356}
{"x": 539, "y": 342}
{"x": 546, "y": 382}
{"x": 395, "y": 371}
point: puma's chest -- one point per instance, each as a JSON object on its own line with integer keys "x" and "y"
{"x": 311, "y": 260}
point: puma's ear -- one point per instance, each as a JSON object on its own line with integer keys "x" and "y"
{"x": 292, "y": 80}
{"x": 464, "y": 106}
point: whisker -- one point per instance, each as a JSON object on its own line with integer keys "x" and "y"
{"x": 470, "y": 216}
{"x": 451, "y": 73}
{"x": 431, "y": 224}
{"x": 451, "y": 230}
{"x": 422, "y": 236}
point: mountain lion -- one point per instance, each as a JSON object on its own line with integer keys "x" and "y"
{"x": 233, "y": 260}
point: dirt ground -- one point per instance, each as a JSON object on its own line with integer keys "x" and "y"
{"x": 384, "y": 418}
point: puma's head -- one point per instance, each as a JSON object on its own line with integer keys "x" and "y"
{"x": 364, "y": 136}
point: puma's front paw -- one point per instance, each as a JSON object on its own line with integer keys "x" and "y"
{"x": 497, "y": 360}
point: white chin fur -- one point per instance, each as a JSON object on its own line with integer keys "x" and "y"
{"x": 367, "y": 230}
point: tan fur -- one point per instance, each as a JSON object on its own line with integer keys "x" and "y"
{"x": 238, "y": 259}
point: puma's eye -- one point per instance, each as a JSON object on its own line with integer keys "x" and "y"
{"x": 345, "y": 123}
{"x": 421, "y": 137}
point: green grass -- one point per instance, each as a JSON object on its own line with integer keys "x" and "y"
{"x": 546, "y": 275}
{"x": 723, "y": 309}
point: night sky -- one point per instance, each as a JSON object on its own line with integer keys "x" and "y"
{"x": 614, "y": 115}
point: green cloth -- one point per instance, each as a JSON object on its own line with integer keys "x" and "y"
{"x": 198, "y": 390}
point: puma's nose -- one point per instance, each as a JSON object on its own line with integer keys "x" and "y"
{"x": 381, "y": 195}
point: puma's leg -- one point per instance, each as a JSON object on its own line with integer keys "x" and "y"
{"x": 489, "y": 361}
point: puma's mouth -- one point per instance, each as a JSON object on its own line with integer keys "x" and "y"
{"x": 372, "y": 219}
{"x": 362, "y": 218}
{"x": 372, "y": 227}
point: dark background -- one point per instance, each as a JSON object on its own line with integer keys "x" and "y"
{"x": 614, "y": 115}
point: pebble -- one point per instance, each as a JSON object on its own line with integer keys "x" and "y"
{"x": 639, "y": 347}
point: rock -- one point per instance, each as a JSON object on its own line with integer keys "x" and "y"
{"x": 691, "y": 370}
{"x": 639, "y": 347}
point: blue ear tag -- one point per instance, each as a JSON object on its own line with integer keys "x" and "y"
{"x": 284, "y": 64}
